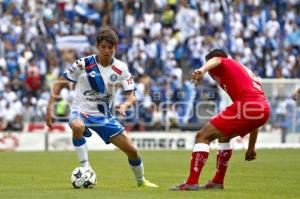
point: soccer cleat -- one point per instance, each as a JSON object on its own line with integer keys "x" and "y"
{"x": 87, "y": 133}
{"x": 211, "y": 185}
{"x": 147, "y": 183}
{"x": 185, "y": 187}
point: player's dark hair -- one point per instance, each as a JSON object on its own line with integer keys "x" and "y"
{"x": 216, "y": 53}
{"x": 108, "y": 35}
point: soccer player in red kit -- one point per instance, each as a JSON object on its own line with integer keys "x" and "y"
{"x": 249, "y": 111}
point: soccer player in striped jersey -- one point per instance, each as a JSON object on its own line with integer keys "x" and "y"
{"x": 96, "y": 77}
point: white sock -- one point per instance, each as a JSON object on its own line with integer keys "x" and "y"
{"x": 201, "y": 147}
{"x": 138, "y": 170}
{"x": 82, "y": 151}
{"x": 224, "y": 146}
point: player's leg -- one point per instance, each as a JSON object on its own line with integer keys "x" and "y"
{"x": 223, "y": 156}
{"x": 201, "y": 151}
{"x": 79, "y": 142}
{"x": 125, "y": 144}
{"x": 199, "y": 156}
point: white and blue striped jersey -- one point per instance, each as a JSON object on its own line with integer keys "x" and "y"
{"x": 87, "y": 100}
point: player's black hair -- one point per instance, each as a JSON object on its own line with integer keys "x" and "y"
{"x": 108, "y": 35}
{"x": 216, "y": 53}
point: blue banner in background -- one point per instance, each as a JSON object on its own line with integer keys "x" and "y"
{"x": 84, "y": 11}
{"x": 74, "y": 42}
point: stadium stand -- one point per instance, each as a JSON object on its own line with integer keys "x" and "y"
{"x": 161, "y": 40}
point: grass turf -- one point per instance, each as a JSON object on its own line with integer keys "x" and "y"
{"x": 30, "y": 175}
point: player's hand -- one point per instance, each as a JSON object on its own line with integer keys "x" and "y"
{"x": 121, "y": 109}
{"x": 49, "y": 117}
{"x": 198, "y": 75}
{"x": 250, "y": 155}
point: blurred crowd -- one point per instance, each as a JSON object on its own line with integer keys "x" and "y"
{"x": 161, "y": 40}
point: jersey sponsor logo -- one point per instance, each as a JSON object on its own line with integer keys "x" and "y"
{"x": 118, "y": 71}
{"x": 92, "y": 74}
{"x": 96, "y": 99}
{"x": 113, "y": 77}
{"x": 94, "y": 96}
{"x": 89, "y": 67}
{"x": 90, "y": 93}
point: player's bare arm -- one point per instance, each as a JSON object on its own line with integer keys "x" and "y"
{"x": 198, "y": 74}
{"x": 59, "y": 84}
{"x": 251, "y": 154}
{"x": 130, "y": 100}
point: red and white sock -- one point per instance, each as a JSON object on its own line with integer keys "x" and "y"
{"x": 199, "y": 157}
{"x": 223, "y": 156}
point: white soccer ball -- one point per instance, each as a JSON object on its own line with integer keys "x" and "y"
{"x": 83, "y": 177}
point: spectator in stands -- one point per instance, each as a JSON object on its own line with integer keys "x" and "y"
{"x": 33, "y": 78}
{"x": 33, "y": 83}
{"x": 4, "y": 80}
{"x": 62, "y": 110}
{"x": 281, "y": 114}
{"x": 16, "y": 84}
{"x": 28, "y": 112}
{"x": 151, "y": 33}
{"x": 9, "y": 117}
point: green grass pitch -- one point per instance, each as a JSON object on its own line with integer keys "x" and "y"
{"x": 35, "y": 175}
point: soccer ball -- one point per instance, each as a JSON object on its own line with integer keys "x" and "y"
{"x": 83, "y": 177}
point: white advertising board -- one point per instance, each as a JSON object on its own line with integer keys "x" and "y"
{"x": 57, "y": 141}
{"x": 160, "y": 141}
{"x": 22, "y": 142}
{"x": 62, "y": 142}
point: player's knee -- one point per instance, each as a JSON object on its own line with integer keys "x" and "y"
{"x": 77, "y": 130}
{"x": 202, "y": 137}
{"x": 132, "y": 153}
{"x": 199, "y": 137}
{"x": 223, "y": 139}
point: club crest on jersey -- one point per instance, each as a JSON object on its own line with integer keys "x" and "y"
{"x": 92, "y": 74}
{"x": 113, "y": 77}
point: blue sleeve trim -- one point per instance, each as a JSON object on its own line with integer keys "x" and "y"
{"x": 66, "y": 76}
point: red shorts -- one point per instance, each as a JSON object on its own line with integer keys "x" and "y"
{"x": 242, "y": 117}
